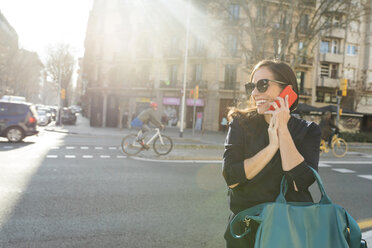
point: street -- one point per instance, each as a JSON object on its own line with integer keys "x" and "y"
{"x": 63, "y": 190}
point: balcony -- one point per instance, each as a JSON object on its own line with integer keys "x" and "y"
{"x": 331, "y": 57}
{"x": 329, "y": 82}
{"x": 334, "y": 32}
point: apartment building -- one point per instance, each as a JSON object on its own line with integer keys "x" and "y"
{"x": 135, "y": 53}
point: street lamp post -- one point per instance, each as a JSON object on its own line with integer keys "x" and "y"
{"x": 185, "y": 69}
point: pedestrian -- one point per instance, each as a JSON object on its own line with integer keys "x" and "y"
{"x": 262, "y": 145}
{"x": 224, "y": 124}
{"x": 142, "y": 121}
{"x": 328, "y": 127}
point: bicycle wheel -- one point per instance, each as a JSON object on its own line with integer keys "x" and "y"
{"x": 130, "y": 145}
{"x": 339, "y": 148}
{"x": 163, "y": 146}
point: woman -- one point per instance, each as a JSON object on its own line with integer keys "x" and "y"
{"x": 262, "y": 145}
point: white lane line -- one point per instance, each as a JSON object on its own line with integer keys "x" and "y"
{"x": 323, "y": 165}
{"x": 98, "y": 147}
{"x": 84, "y": 148}
{"x": 87, "y": 156}
{"x": 113, "y": 148}
{"x": 70, "y": 156}
{"x": 70, "y": 147}
{"x": 366, "y": 176}
{"x": 342, "y": 170}
{"x": 104, "y": 156}
{"x": 179, "y": 161}
{"x": 120, "y": 156}
{"x": 52, "y": 156}
{"x": 347, "y": 162}
{"x": 54, "y": 148}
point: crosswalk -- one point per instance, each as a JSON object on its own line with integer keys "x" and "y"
{"x": 330, "y": 164}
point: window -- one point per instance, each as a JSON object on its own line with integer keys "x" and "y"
{"x": 230, "y": 76}
{"x": 334, "y": 70}
{"x": 335, "y": 46}
{"x": 351, "y": 50}
{"x": 174, "y": 46}
{"x": 197, "y": 73}
{"x": 300, "y": 75}
{"x": 304, "y": 22}
{"x": 261, "y": 16}
{"x": 300, "y": 45}
{"x": 232, "y": 44}
{"x": 198, "y": 47}
{"x": 173, "y": 74}
{"x": 234, "y": 12}
{"x": 324, "y": 70}
{"x": 324, "y": 46}
{"x": 319, "y": 96}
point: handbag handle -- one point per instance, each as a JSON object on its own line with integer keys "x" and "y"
{"x": 284, "y": 187}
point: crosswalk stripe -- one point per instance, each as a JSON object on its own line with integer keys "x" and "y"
{"x": 70, "y": 147}
{"x": 366, "y": 176}
{"x": 54, "y": 148}
{"x": 113, "y": 148}
{"x": 104, "y": 156}
{"x": 70, "y": 156}
{"x": 84, "y": 148}
{"x": 323, "y": 165}
{"x": 52, "y": 156}
{"x": 120, "y": 156}
{"x": 342, "y": 170}
{"x": 98, "y": 148}
{"x": 87, "y": 156}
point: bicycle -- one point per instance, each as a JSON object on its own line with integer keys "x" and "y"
{"x": 338, "y": 145}
{"x": 162, "y": 144}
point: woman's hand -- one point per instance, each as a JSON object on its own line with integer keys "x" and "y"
{"x": 273, "y": 133}
{"x": 281, "y": 114}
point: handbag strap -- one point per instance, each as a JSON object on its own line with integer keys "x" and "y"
{"x": 284, "y": 187}
{"x": 355, "y": 233}
{"x": 245, "y": 216}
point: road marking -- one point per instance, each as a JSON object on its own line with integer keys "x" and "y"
{"x": 87, "y": 156}
{"x": 70, "y": 156}
{"x": 113, "y": 148}
{"x": 54, "y": 148}
{"x": 323, "y": 165}
{"x": 120, "y": 156}
{"x": 52, "y": 156}
{"x": 104, "y": 156}
{"x": 84, "y": 148}
{"x": 98, "y": 148}
{"x": 70, "y": 147}
{"x": 366, "y": 176}
{"x": 178, "y": 161}
{"x": 342, "y": 170}
{"x": 347, "y": 162}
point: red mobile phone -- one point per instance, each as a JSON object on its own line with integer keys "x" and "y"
{"x": 292, "y": 96}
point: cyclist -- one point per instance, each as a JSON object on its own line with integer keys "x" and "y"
{"x": 143, "y": 120}
{"x": 327, "y": 125}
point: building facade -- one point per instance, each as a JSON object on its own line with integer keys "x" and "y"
{"x": 135, "y": 53}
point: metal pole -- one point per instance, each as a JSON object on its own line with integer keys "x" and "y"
{"x": 338, "y": 110}
{"x": 185, "y": 69}
{"x": 58, "y": 123}
{"x": 193, "y": 118}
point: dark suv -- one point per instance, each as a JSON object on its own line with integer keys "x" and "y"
{"x": 17, "y": 120}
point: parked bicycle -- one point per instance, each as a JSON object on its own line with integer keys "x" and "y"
{"x": 162, "y": 144}
{"x": 338, "y": 145}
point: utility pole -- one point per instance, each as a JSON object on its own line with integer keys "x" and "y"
{"x": 185, "y": 68}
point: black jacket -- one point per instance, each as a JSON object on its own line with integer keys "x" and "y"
{"x": 245, "y": 142}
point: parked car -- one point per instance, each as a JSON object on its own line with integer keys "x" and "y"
{"x": 42, "y": 117}
{"x": 67, "y": 116}
{"x": 17, "y": 120}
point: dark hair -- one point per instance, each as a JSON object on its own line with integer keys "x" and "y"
{"x": 281, "y": 72}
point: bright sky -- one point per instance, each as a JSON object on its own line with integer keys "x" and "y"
{"x": 42, "y": 23}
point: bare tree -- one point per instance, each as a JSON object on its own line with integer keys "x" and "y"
{"x": 59, "y": 68}
{"x": 284, "y": 29}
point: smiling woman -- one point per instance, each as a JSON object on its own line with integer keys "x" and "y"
{"x": 41, "y": 23}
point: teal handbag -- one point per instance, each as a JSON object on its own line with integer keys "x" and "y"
{"x": 299, "y": 224}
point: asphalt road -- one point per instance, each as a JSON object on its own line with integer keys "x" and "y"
{"x": 61, "y": 190}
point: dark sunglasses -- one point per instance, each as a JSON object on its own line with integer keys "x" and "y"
{"x": 261, "y": 85}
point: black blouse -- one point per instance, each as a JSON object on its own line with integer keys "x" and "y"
{"x": 244, "y": 142}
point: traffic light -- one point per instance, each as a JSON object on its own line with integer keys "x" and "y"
{"x": 63, "y": 94}
{"x": 343, "y": 86}
{"x": 196, "y": 95}
{"x": 191, "y": 93}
